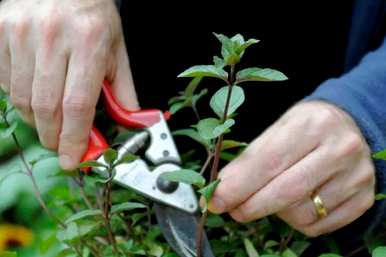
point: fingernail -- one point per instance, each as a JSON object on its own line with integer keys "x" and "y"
{"x": 216, "y": 205}
{"x": 66, "y": 162}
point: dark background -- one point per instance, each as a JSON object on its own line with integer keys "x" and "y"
{"x": 305, "y": 40}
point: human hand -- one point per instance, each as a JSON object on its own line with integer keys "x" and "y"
{"x": 54, "y": 56}
{"x": 315, "y": 148}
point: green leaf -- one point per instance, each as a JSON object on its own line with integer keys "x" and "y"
{"x": 250, "y": 249}
{"x": 69, "y": 233}
{"x": 206, "y": 127}
{"x": 84, "y": 214}
{"x": 247, "y": 44}
{"x": 232, "y": 49}
{"x": 300, "y": 246}
{"x": 222, "y": 38}
{"x": 379, "y": 252}
{"x": 193, "y": 134}
{"x": 91, "y": 164}
{"x": 174, "y": 108}
{"x": 8, "y": 254}
{"x": 228, "y": 156}
{"x": 197, "y": 97}
{"x": 207, "y": 192}
{"x": 205, "y": 71}
{"x": 258, "y": 74}
{"x": 220, "y": 129}
{"x": 218, "y": 100}
{"x": 47, "y": 243}
{"x": 137, "y": 217}
{"x": 229, "y": 144}
{"x": 380, "y": 155}
{"x": 379, "y": 197}
{"x": 211, "y": 128}
{"x": 191, "y": 88}
{"x": 127, "y": 158}
{"x": 270, "y": 244}
{"x": 215, "y": 221}
{"x": 126, "y": 207}
{"x": 238, "y": 39}
{"x": 3, "y": 105}
{"x": 185, "y": 176}
{"x": 8, "y": 131}
{"x": 218, "y": 62}
{"x": 74, "y": 232}
{"x": 289, "y": 253}
{"x": 110, "y": 156}
{"x": 330, "y": 255}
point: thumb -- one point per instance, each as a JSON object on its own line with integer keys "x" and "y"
{"x": 122, "y": 80}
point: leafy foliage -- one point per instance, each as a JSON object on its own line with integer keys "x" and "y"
{"x": 87, "y": 215}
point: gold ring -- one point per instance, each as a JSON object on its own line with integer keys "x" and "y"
{"x": 319, "y": 206}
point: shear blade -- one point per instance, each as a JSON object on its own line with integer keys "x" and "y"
{"x": 180, "y": 229}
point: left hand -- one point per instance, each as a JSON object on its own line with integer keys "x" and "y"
{"x": 315, "y": 148}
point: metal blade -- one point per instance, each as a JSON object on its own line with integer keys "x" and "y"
{"x": 180, "y": 229}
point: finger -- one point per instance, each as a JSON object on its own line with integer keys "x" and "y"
{"x": 333, "y": 193}
{"x": 22, "y": 70}
{"x": 343, "y": 215}
{"x": 86, "y": 71}
{"x": 47, "y": 94}
{"x": 296, "y": 183}
{"x": 5, "y": 60}
{"x": 269, "y": 155}
{"x": 122, "y": 80}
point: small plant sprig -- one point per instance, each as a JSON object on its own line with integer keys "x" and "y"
{"x": 210, "y": 132}
{"x": 8, "y": 130}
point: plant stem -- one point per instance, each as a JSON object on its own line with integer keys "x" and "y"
{"x": 93, "y": 250}
{"x": 196, "y": 112}
{"x": 284, "y": 242}
{"x": 216, "y": 161}
{"x": 358, "y": 250}
{"x": 207, "y": 162}
{"x": 33, "y": 180}
{"x": 82, "y": 191}
{"x": 106, "y": 213}
{"x": 76, "y": 249}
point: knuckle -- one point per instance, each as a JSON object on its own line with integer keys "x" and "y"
{"x": 326, "y": 118}
{"x": 44, "y": 107}
{"x": 352, "y": 143}
{"x": 50, "y": 26}
{"x": 366, "y": 178}
{"x": 78, "y": 106}
{"x": 19, "y": 27}
{"x": 93, "y": 29}
{"x": 295, "y": 189}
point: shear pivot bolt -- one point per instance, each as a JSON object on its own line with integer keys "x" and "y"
{"x": 166, "y": 186}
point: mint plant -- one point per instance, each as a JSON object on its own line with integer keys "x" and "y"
{"x": 211, "y": 131}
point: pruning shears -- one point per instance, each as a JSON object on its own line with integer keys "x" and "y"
{"x": 175, "y": 204}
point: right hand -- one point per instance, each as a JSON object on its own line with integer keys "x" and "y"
{"x": 54, "y": 56}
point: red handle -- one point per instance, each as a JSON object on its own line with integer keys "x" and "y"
{"x": 129, "y": 119}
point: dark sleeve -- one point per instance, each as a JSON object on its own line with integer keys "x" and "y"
{"x": 362, "y": 93}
